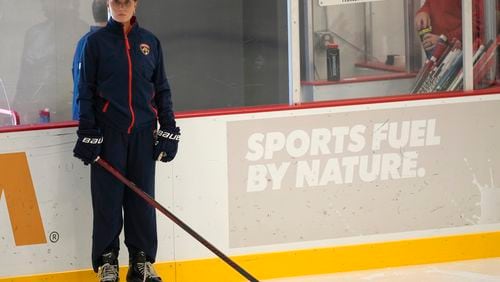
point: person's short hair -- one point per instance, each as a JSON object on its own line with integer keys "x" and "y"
{"x": 100, "y": 11}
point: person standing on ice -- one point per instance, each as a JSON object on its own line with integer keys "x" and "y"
{"x": 123, "y": 94}
{"x": 100, "y": 14}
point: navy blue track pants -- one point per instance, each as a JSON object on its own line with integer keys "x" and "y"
{"x": 132, "y": 155}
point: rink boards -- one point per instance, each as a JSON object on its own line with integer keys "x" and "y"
{"x": 288, "y": 192}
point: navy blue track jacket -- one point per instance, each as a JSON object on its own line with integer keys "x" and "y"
{"x": 122, "y": 81}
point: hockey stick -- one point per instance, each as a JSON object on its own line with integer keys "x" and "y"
{"x": 175, "y": 219}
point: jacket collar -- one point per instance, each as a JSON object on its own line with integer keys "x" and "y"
{"x": 94, "y": 28}
{"x": 117, "y": 27}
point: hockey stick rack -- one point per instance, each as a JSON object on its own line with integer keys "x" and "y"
{"x": 175, "y": 219}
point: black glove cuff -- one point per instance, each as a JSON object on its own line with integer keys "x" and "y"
{"x": 88, "y": 132}
{"x": 89, "y": 136}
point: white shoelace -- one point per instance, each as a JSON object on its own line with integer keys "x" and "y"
{"x": 147, "y": 270}
{"x": 108, "y": 272}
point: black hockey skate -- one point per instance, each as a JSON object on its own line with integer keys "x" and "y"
{"x": 141, "y": 270}
{"x": 108, "y": 271}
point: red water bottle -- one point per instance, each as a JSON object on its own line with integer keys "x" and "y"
{"x": 45, "y": 115}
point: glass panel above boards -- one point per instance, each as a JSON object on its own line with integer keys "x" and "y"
{"x": 217, "y": 54}
{"x": 356, "y": 49}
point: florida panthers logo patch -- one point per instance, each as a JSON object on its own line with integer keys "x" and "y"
{"x": 145, "y": 49}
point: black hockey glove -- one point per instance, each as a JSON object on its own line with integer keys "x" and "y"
{"x": 88, "y": 146}
{"x": 166, "y": 144}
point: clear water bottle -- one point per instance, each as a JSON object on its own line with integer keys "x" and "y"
{"x": 333, "y": 62}
{"x": 421, "y": 34}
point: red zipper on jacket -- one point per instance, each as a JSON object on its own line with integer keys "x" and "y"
{"x": 105, "y": 108}
{"x": 151, "y": 105}
{"x": 106, "y": 103}
{"x": 127, "y": 50}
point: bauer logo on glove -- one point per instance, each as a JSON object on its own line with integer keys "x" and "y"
{"x": 89, "y": 140}
{"x": 166, "y": 144}
{"x": 169, "y": 135}
{"x": 88, "y": 145}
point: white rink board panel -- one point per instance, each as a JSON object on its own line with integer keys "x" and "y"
{"x": 62, "y": 187}
{"x": 473, "y": 214}
{"x": 208, "y": 183}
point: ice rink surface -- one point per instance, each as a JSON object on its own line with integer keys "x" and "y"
{"x": 482, "y": 270}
